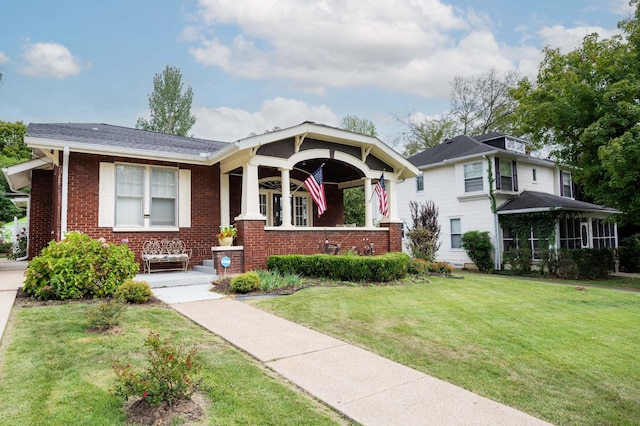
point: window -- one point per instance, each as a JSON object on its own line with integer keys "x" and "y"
{"x": 420, "y": 183}
{"x": 566, "y": 186}
{"x": 141, "y": 197}
{"x": 473, "y": 177}
{"x": 456, "y": 234}
{"x": 509, "y": 239}
{"x": 506, "y": 175}
{"x": 569, "y": 233}
{"x": 300, "y": 210}
{"x": 534, "y": 175}
{"x": 603, "y": 233}
{"x": 271, "y": 202}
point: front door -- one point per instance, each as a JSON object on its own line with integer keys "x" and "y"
{"x": 584, "y": 234}
{"x": 277, "y": 209}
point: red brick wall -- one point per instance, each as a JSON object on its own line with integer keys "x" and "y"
{"x": 395, "y": 235}
{"x": 40, "y": 211}
{"x": 335, "y": 208}
{"x": 82, "y": 213}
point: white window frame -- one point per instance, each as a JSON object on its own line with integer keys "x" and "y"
{"x": 267, "y": 205}
{"x": 107, "y": 199}
{"x": 564, "y": 187}
{"x": 474, "y": 178}
{"x": 420, "y": 183}
{"x": 452, "y": 234}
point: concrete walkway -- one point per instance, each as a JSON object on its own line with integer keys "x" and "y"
{"x": 11, "y": 277}
{"x": 365, "y": 387}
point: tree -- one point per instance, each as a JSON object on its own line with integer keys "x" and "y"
{"x": 424, "y": 235}
{"x": 586, "y": 103}
{"x": 170, "y": 108}
{"x": 484, "y": 104}
{"x": 12, "y": 151}
{"x": 353, "y": 198}
{"x": 427, "y": 133}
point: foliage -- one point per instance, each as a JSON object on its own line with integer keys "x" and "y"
{"x": 133, "y": 291}
{"x": 629, "y": 254}
{"x": 424, "y": 236}
{"x": 171, "y": 375}
{"x": 426, "y": 132}
{"x": 440, "y": 268}
{"x": 542, "y": 223}
{"x": 170, "y": 108}
{"x": 354, "y": 205}
{"x": 21, "y": 249}
{"x": 418, "y": 266}
{"x": 360, "y": 125}
{"x": 78, "y": 267}
{"x": 585, "y": 264}
{"x": 12, "y": 151}
{"x": 244, "y": 283}
{"x": 380, "y": 268}
{"x": 517, "y": 260}
{"x": 227, "y": 231}
{"x": 585, "y": 104}
{"x": 478, "y": 246}
{"x": 484, "y": 104}
{"x": 105, "y": 315}
{"x": 274, "y": 280}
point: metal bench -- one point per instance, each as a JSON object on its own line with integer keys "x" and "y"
{"x": 165, "y": 251}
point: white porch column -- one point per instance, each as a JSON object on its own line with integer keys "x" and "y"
{"x": 65, "y": 193}
{"x": 392, "y": 198}
{"x": 224, "y": 199}
{"x": 286, "y": 198}
{"x": 250, "y": 197}
{"x": 368, "y": 213}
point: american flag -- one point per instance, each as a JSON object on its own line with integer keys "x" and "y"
{"x": 381, "y": 190}
{"x": 315, "y": 186}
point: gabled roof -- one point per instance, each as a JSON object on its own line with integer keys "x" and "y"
{"x": 464, "y": 146}
{"x": 116, "y": 137}
{"x": 532, "y": 201}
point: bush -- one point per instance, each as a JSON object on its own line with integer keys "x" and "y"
{"x": 244, "y": 283}
{"x": 170, "y": 376}
{"x": 134, "y": 291}
{"x": 386, "y": 267}
{"x": 78, "y": 267}
{"x": 479, "y": 248}
{"x": 424, "y": 236}
{"x": 629, "y": 253}
{"x": 105, "y": 315}
{"x": 440, "y": 268}
{"x": 273, "y": 280}
{"x": 418, "y": 267}
{"x": 585, "y": 264}
{"x": 517, "y": 260}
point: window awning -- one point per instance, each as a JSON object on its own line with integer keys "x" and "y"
{"x": 19, "y": 175}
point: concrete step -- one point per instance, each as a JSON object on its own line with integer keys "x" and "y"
{"x": 205, "y": 269}
{"x": 175, "y": 279}
{"x": 209, "y": 263}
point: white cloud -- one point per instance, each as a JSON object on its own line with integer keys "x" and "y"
{"x": 51, "y": 60}
{"x": 230, "y": 124}
{"x": 567, "y": 39}
{"x": 3, "y": 58}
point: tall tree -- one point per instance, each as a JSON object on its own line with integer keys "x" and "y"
{"x": 586, "y": 103}
{"x": 353, "y": 198}
{"x": 484, "y": 104}
{"x": 170, "y": 108}
{"x": 427, "y": 133}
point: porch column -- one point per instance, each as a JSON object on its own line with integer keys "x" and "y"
{"x": 286, "y": 198}
{"x": 250, "y": 197}
{"x": 392, "y": 197}
{"x": 224, "y": 199}
{"x": 368, "y": 214}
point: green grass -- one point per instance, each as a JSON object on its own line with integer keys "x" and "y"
{"x": 54, "y": 372}
{"x": 565, "y": 355}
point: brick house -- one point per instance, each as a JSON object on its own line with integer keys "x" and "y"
{"x": 128, "y": 184}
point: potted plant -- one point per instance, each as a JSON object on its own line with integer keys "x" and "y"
{"x": 226, "y": 234}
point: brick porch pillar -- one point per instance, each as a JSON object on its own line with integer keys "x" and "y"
{"x": 251, "y": 235}
{"x": 395, "y": 235}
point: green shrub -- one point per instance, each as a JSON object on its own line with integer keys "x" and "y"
{"x": 440, "y": 268}
{"x": 244, "y": 283}
{"x": 105, "y": 315}
{"x": 478, "y": 246}
{"x": 170, "y": 376}
{"x": 585, "y": 264}
{"x": 78, "y": 267}
{"x": 274, "y": 280}
{"x": 418, "y": 267}
{"x": 386, "y": 267}
{"x": 517, "y": 260}
{"x": 134, "y": 291}
{"x": 629, "y": 253}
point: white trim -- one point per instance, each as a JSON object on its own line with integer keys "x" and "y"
{"x": 65, "y": 193}
{"x": 184, "y": 198}
{"x": 106, "y": 195}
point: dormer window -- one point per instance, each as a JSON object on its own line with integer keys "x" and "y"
{"x": 514, "y": 145}
{"x": 566, "y": 184}
{"x": 506, "y": 175}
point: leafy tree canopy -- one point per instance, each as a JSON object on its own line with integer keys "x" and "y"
{"x": 360, "y": 125}
{"x": 170, "y": 108}
{"x": 586, "y": 103}
{"x": 12, "y": 151}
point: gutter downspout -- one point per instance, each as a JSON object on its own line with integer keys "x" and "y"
{"x": 65, "y": 193}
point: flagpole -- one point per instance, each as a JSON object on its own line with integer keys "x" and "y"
{"x": 374, "y": 191}
{"x": 300, "y": 186}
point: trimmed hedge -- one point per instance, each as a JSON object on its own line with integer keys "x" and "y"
{"x": 382, "y": 268}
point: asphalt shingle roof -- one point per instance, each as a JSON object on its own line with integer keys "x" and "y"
{"x": 123, "y": 137}
{"x": 532, "y": 200}
{"x": 460, "y": 146}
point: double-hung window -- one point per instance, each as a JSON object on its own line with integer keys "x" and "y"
{"x": 473, "y": 177}
{"x": 140, "y": 197}
{"x": 456, "y": 233}
{"x": 420, "y": 183}
{"x": 506, "y": 175}
{"x": 566, "y": 186}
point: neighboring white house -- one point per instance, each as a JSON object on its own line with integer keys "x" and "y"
{"x": 465, "y": 175}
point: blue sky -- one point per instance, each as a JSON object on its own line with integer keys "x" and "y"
{"x": 257, "y": 64}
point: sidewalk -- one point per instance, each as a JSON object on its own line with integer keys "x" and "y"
{"x": 11, "y": 277}
{"x": 364, "y": 386}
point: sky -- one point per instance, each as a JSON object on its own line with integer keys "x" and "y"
{"x": 255, "y": 65}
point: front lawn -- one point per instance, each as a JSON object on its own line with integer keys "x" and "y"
{"x": 54, "y": 372}
{"x": 569, "y": 354}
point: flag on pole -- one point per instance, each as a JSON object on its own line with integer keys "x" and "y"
{"x": 315, "y": 185}
{"x": 381, "y": 190}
